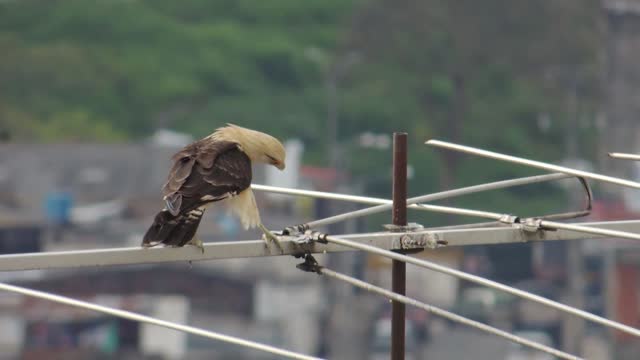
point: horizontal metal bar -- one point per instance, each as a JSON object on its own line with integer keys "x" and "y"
{"x": 139, "y": 255}
{"x": 533, "y": 163}
{"x": 439, "y": 196}
{"x": 257, "y": 248}
{"x": 153, "y": 321}
{"x": 446, "y": 314}
{"x": 623, "y": 156}
{"x": 484, "y": 282}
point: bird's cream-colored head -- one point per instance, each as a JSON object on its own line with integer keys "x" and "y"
{"x": 258, "y": 146}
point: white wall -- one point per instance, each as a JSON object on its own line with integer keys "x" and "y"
{"x": 156, "y": 340}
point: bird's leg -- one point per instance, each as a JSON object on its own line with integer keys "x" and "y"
{"x": 270, "y": 237}
{"x": 197, "y": 243}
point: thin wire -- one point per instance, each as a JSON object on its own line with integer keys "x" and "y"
{"x": 485, "y": 282}
{"x": 446, "y": 314}
{"x": 149, "y": 320}
{"x": 533, "y": 163}
{"x": 623, "y": 156}
{"x": 438, "y": 196}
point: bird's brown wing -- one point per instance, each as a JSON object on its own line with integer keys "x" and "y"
{"x": 206, "y": 171}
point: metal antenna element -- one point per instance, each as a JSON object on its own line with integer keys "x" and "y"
{"x": 425, "y": 207}
{"x": 584, "y": 229}
{"x": 484, "y": 282}
{"x": 623, "y": 156}
{"x": 378, "y": 201}
{"x": 312, "y": 266}
{"x": 149, "y": 320}
{"x": 436, "y": 196}
{"x": 533, "y": 163}
{"x": 505, "y": 234}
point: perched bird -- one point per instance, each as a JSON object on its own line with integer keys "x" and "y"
{"x": 210, "y": 170}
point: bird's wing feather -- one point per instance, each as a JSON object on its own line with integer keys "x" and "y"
{"x": 216, "y": 170}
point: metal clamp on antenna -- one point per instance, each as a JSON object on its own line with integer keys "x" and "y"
{"x": 295, "y": 229}
{"x": 317, "y": 236}
{"x": 411, "y": 241}
{"x": 310, "y": 264}
{"x": 410, "y": 227}
{"x": 531, "y": 225}
{"x": 509, "y": 219}
{"x": 311, "y": 236}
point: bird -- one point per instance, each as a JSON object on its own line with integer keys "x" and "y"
{"x": 215, "y": 169}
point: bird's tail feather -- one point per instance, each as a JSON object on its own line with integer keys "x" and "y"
{"x": 173, "y": 230}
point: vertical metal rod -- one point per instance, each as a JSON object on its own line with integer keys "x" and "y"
{"x": 399, "y": 268}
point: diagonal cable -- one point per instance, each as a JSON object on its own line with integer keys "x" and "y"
{"x": 484, "y": 282}
{"x": 435, "y": 310}
{"x": 150, "y": 320}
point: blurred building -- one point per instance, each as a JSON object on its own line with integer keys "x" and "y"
{"x": 622, "y": 88}
{"x": 616, "y": 265}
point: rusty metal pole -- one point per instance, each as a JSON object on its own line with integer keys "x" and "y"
{"x": 399, "y": 218}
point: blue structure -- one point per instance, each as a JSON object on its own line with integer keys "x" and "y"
{"x": 57, "y": 206}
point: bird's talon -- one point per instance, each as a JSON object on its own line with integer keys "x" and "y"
{"x": 268, "y": 237}
{"x": 198, "y": 243}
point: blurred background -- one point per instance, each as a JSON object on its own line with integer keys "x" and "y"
{"x": 96, "y": 96}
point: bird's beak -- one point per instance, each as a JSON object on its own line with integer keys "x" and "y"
{"x": 280, "y": 165}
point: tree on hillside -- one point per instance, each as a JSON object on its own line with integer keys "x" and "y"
{"x": 480, "y": 72}
{"x": 137, "y": 65}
